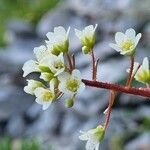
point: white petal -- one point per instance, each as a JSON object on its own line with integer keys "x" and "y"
{"x": 139, "y": 35}
{"x": 76, "y": 74}
{"x": 64, "y": 76}
{"x": 39, "y": 91}
{"x": 78, "y": 33}
{"x": 39, "y": 101}
{"x": 119, "y": 37}
{"x": 95, "y": 27}
{"x": 84, "y": 137}
{"x": 60, "y": 30}
{"x": 68, "y": 31}
{"x": 81, "y": 88}
{"x": 130, "y": 34}
{"x": 46, "y": 105}
{"x": 91, "y": 144}
{"x": 40, "y": 52}
{"x": 115, "y": 47}
{"x": 52, "y": 85}
{"x": 50, "y": 35}
{"x": 97, "y": 147}
{"x": 29, "y": 67}
{"x": 145, "y": 64}
{"x": 59, "y": 72}
{"x": 89, "y": 30}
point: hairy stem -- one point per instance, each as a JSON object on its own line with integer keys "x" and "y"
{"x": 70, "y": 63}
{"x": 129, "y": 80}
{"x": 93, "y": 66}
{"x": 135, "y": 91}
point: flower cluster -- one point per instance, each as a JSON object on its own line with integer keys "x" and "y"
{"x": 61, "y": 77}
{"x": 53, "y": 70}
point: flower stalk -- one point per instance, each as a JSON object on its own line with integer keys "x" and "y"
{"x": 129, "y": 80}
{"x": 111, "y": 101}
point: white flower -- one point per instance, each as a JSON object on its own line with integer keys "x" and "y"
{"x": 32, "y": 85}
{"x": 143, "y": 73}
{"x": 58, "y": 40}
{"x": 93, "y": 137}
{"x": 126, "y": 43}
{"x": 87, "y": 36}
{"x": 135, "y": 67}
{"x": 34, "y": 66}
{"x": 55, "y": 63}
{"x": 45, "y": 96}
{"x": 71, "y": 84}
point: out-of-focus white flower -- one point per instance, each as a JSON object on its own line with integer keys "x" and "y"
{"x": 87, "y": 37}
{"x": 126, "y": 43}
{"x": 93, "y": 137}
{"x": 58, "y": 40}
{"x": 71, "y": 84}
{"x": 135, "y": 67}
{"x": 45, "y": 96}
{"x": 143, "y": 73}
{"x": 55, "y": 63}
{"x": 32, "y": 85}
{"x": 36, "y": 66}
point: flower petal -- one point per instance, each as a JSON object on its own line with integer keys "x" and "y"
{"x": 130, "y": 34}
{"x": 119, "y": 37}
{"x": 115, "y": 47}
{"x": 29, "y": 67}
{"x": 91, "y": 144}
{"x": 76, "y": 74}
{"x": 145, "y": 64}
{"x": 46, "y": 105}
{"x": 40, "y": 52}
{"x": 139, "y": 35}
{"x": 78, "y": 33}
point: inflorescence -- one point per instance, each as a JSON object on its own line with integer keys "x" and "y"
{"x": 57, "y": 69}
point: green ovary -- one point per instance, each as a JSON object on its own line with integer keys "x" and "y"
{"x": 127, "y": 45}
{"x": 47, "y": 96}
{"x": 59, "y": 65}
{"x": 72, "y": 85}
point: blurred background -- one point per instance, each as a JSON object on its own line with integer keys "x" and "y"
{"x": 23, "y": 124}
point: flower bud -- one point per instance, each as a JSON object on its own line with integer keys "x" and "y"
{"x": 69, "y": 103}
{"x": 86, "y": 50}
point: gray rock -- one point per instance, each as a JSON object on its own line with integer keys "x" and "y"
{"x": 71, "y": 123}
{"x": 46, "y": 123}
{"x": 16, "y": 126}
{"x": 18, "y": 29}
{"x": 33, "y": 112}
{"x": 13, "y": 101}
{"x": 139, "y": 143}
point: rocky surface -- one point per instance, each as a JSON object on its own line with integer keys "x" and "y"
{"x": 21, "y": 117}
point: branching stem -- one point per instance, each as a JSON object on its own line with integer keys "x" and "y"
{"x": 145, "y": 92}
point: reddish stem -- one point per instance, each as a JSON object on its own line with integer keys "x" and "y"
{"x": 135, "y": 91}
{"x": 111, "y": 101}
{"x": 73, "y": 61}
{"x": 93, "y": 66}
{"x": 129, "y": 80}
{"x": 70, "y": 63}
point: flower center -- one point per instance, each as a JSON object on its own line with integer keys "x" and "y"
{"x": 47, "y": 96}
{"x": 59, "y": 65}
{"x": 72, "y": 85}
{"x": 127, "y": 45}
